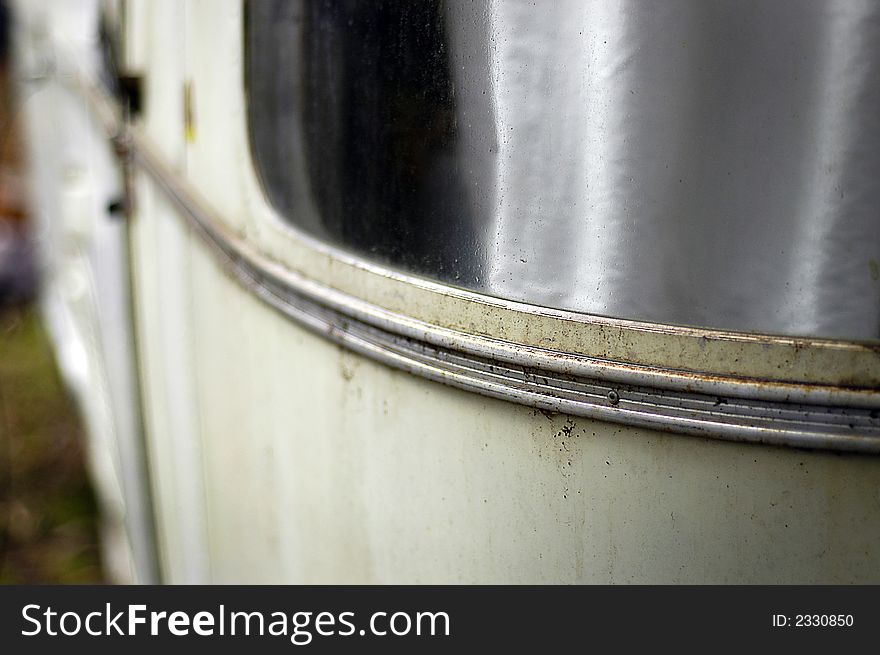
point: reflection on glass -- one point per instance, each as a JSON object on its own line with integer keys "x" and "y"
{"x": 711, "y": 164}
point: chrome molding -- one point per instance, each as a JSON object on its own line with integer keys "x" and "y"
{"x": 723, "y": 407}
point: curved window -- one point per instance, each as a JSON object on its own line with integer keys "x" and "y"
{"x": 708, "y": 164}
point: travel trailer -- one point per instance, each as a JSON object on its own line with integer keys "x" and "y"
{"x": 466, "y": 292}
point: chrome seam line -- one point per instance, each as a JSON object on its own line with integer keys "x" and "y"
{"x": 782, "y": 423}
{"x": 562, "y": 361}
{"x": 674, "y": 401}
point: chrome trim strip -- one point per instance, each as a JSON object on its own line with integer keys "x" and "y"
{"x": 729, "y": 408}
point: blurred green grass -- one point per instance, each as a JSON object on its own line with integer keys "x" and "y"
{"x": 48, "y": 514}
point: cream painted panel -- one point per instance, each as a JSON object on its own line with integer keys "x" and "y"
{"x": 161, "y": 247}
{"x": 237, "y": 359}
{"x": 135, "y": 47}
{"x": 162, "y": 42}
{"x": 322, "y": 466}
{"x": 213, "y": 67}
{"x": 160, "y": 265}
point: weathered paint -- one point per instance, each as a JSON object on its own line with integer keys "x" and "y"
{"x": 276, "y": 456}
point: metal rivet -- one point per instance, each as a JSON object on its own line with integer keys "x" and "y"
{"x": 613, "y": 397}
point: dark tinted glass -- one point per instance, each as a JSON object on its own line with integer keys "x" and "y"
{"x": 358, "y": 98}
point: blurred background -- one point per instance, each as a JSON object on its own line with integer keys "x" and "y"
{"x": 48, "y": 513}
